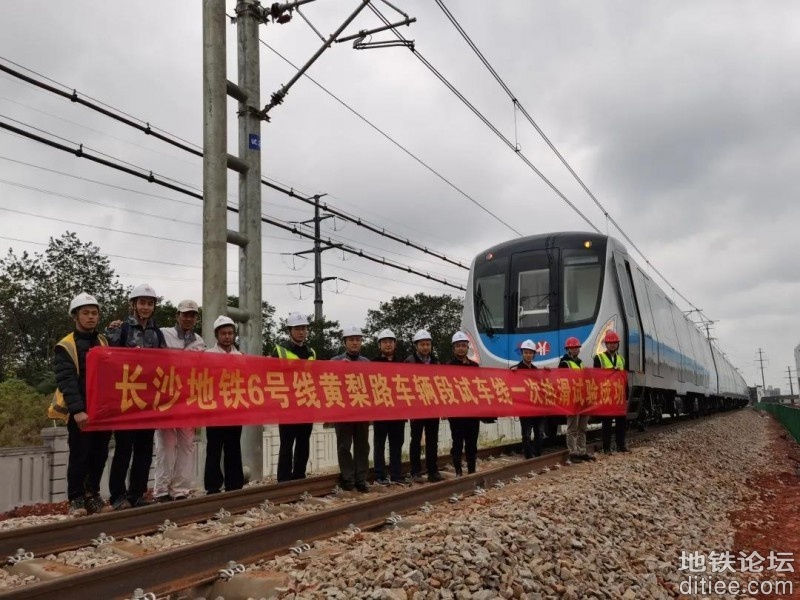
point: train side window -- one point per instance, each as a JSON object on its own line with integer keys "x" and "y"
{"x": 533, "y": 309}
{"x": 582, "y": 278}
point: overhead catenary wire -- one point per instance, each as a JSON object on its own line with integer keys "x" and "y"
{"x": 153, "y": 178}
{"x": 521, "y": 108}
{"x": 183, "y": 145}
{"x": 393, "y": 141}
{"x": 489, "y": 124}
{"x": 149, "y": 260}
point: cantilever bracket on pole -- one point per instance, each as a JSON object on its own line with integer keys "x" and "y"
{"x": 358, "y": 37}
{"x": 359, "y": 44}
{"x": 277, "y": 97}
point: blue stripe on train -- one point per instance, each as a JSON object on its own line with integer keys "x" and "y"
{"x": 505, "y": 345}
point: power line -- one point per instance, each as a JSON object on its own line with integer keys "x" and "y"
{"x": 151, "y": 177}
{"x": 488, "y": 123}
{"x": 128, "y": 119}
{"x": 393, "y": 141}
{"x": 538, "y": 129}
{"x": 145, "y": 260}
{"x": 108, "y": 111}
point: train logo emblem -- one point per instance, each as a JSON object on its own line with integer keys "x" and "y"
{"x": 543, "y": 348}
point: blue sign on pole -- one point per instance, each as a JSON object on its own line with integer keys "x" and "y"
{"x": 254, "y": 142}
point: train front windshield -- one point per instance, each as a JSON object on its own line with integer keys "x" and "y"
{"x": 542, "y": 294}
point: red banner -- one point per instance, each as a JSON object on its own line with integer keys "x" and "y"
{"x": 137, "y": 389}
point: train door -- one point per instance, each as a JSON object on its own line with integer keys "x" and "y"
{"x": 634, "y": 326}
{"x": 650, "y": 359}
{"x": 533, "y": 286}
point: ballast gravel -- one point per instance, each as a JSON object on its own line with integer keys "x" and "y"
{"x": 615, "y": 528}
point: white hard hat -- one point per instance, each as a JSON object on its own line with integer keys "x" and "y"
{"x": 83, "y": 299}
{"x": 422, "y": 334}
{"x": 528, "y": 345}
{"x": 143, "y": 290}
{"x": 386, "y": 334}
{"x": 459, "y": 336}
{"x": 296, "y": 319}
{"x": 221, "y": 321}
{"x": 188, "y": 306}
{"x": 351, "y": 330}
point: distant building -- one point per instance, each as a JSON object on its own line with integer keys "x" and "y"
{"x": 772, "y": 391}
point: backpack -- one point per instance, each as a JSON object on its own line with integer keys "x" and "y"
{"x": 58, "y": 410}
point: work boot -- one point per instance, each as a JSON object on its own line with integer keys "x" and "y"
{"x": 434, "y": 477}
{"x": 77, "y": 507}
{"x": 121, "y": 504}
{"x": 95, "y": 504}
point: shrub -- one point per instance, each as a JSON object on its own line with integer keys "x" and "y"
{"x": 23, "y": 414}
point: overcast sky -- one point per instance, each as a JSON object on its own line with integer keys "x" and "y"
{"x": 681, "y": 118}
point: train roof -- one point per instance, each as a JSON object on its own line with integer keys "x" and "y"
{"x": 543, "y": 241}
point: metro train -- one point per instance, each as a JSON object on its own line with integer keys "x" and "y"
{"x": 553, "y": 286}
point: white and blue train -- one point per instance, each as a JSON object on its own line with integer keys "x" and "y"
{"x": 550, "y": 287}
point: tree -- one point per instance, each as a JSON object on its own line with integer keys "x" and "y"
{"x": 165, "y": 312}
{"x": 35, "y": 291}
{"x": 404, "y": 315}
{"x": 23, "y": 414}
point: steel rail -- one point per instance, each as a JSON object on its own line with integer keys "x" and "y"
{"x": 187, "y": 566}
{"x": 69, "y": 534}
{"x": 179, "y": 568}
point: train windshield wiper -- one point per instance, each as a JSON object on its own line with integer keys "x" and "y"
{"x": 484, "y": 314}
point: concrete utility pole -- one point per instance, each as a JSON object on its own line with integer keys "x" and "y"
{"x": 216, "y": 162}
{"x": 761, "y": 361}
{"x": 215, "y": 215}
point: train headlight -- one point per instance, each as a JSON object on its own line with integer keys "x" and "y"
{"x": 587, "y": 244}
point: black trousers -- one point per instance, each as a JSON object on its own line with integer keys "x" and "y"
{"x": 88, "y": 452}
{"x": 465, "y": 432}
{"x": 535, "y": 425}
{"x": 223, "y": 445}
{"x": 395, "y": 432}
{"x": 353, "y": 466}
{"x": 294, "y": 450}
{"x": 134, "y": 449}
{"x": 431, "y": 429}
{"x": 620, "y": 425}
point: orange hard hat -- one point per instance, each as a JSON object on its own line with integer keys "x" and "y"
{"x": 572, "y": 342}
{"x": 611, "y": 337}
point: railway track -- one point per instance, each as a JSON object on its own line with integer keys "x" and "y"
{"x": 53, "y": 538}
{"x": 181, "y": 568}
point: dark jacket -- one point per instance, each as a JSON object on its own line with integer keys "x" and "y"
{"x": 469, "y": 363}
{"x": 350, "y": 357}
{"x": 70, "y": 381}
{"x": 565, "y": 360}
{"x": 132, "y": 335}
{"x": 521, "y": 365}
{"x": 382, "y": 358}
{"x": 413, "y": 358}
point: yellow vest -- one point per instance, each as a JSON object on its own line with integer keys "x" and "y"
{"x": 606, "y": 363}
{"x": 572, "y": 364}
{"x": 284, "y": 353}
{"x": 58, "y": 409}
